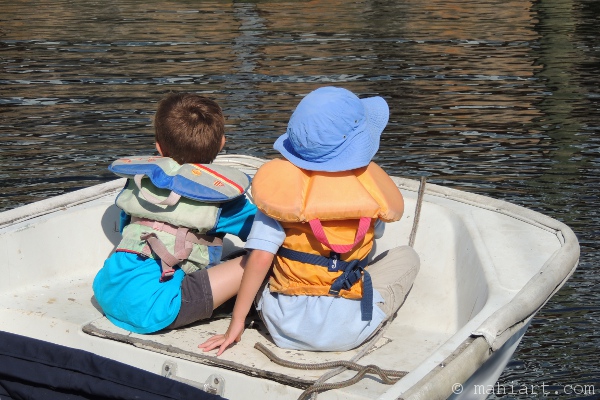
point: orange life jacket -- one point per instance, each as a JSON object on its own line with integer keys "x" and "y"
{"x": 303, "y": 200}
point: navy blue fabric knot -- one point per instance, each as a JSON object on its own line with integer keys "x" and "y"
{"x": 352, "y": 273}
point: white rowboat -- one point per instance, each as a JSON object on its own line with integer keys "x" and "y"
{"x": 487, "y": 266}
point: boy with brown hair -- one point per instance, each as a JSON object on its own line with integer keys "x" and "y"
{"x": 176, "y": 208}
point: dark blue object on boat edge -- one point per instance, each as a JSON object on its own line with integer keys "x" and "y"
{"x": 38, "y": 370}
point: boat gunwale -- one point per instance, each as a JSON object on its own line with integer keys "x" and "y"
{"x": 57, "y": 203}
{"x": 499, "y": 327}
{"x": 567, "y": 255}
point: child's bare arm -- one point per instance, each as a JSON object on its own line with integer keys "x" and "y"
{"x": 258, "y": 265}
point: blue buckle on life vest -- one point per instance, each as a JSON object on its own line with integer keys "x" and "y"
{"x": 352, "y": 274}
{"x": 353, "y": 271}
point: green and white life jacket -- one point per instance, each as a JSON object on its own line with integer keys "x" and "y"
{"x": 172, "y": 207}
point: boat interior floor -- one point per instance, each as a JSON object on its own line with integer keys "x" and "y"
{"x": 245, "y": 358}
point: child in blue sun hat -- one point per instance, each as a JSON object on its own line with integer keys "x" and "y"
{"x": 320, "y": 210}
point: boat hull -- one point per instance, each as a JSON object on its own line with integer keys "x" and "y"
{"x": 487, "y": 267}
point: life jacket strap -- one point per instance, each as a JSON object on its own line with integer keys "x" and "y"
{"x": 168, "y": 260}
{"x": 352, "y": 273}
{"x": 171, "y": 200}
{"x": 197, "y": 238}
{"x": 363, "y": 226}
{"x": 184, "y": 241}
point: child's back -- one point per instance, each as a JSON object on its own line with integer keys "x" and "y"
{"x": 320, "y": 208}
{"x": 175, "y": 210}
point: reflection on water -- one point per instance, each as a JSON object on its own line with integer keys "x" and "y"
{"x": 499, "y": 98}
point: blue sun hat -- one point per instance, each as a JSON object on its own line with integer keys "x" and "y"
{"x": 333, "y": 130}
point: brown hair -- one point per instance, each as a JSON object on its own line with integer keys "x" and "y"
{"x": 189, "y": 128}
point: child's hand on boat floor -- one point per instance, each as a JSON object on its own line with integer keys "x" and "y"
{"x": 233, "y": 334}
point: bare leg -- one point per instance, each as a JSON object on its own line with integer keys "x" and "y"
{"x": 225, "y": 279}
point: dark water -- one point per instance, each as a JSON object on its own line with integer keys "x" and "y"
{"x": 500, "y": 98}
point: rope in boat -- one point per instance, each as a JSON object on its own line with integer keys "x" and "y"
{"x": 318, "y": 384}
{"x": 341, "y": 366}
{"x": 413, "y": 232}
{"x": 322, "y": 387}
{"x": 388, "y": 377}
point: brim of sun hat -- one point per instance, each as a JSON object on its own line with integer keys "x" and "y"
{"x": 356, "y": 152}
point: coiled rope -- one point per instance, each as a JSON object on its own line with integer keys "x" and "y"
{"x": 389, "y": 377}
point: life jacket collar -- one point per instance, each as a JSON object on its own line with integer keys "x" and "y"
{"x": 208, "y": 183}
